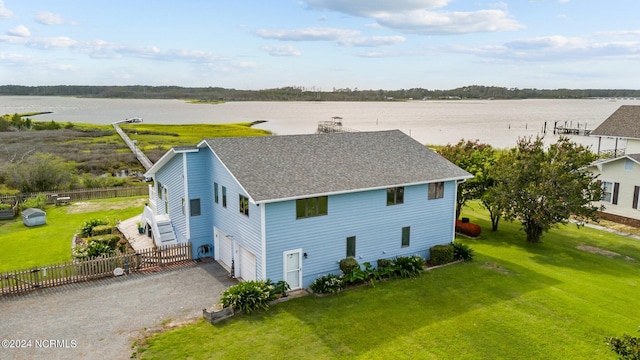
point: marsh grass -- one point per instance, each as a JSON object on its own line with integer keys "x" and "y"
{"x": 516, "y": 300}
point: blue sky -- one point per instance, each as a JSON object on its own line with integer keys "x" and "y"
{"x": 322, "y": 44}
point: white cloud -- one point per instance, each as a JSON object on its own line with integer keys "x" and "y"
{"x": 19, "y": 31}
{"x": 4, "y": 12}
{"x": 556, "y": 48}
{"x": 374, "y": 41}
{"x": 19, "y": 60}
{"x": 368, "y": 8}
{"x": 286, "y": 50}
{"x": 443, "y": 23}
{"x": 308, "y": 34}
{"x": 49, "y": 18}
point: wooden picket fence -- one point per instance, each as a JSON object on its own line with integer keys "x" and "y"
{"x": 19, "y": 281}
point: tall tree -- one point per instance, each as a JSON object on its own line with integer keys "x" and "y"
{"x": 542, "y": 188}
{"x": 476, "y": 158}
{"x": 39, "y": 172}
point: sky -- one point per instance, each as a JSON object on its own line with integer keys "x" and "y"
{"x": 322, "y": 45}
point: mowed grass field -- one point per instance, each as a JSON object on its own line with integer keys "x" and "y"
{"x": 554, "y": 300}
{"x": 23, "y": 247}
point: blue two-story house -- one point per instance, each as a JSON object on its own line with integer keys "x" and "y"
{"x": 291, "y": 207}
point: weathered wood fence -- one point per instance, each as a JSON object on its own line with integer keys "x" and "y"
{"x": 19, "y": 281}
{"x": 81, "y": 194}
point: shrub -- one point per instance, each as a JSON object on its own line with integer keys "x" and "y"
{"x": 35, "y": 202}
{"x": 408, "y": 266}
{"x": 87, "y": 227}
{"x": 467, "y": 228}
{"x": 110, "y": 240}
{"x": 347, "y": 265}
{"x": 355, "y": 276}
{"x": 249, "y": 296}
{"x": 462, "y": 252}
{"x": 441, "y": 254}
{"x": 5, "y": 206}
{"x": 102, "y": 230}
{"x": 627, "y": 347}
{"x": 384, "y": 263}
{"x": 91, "y": 250}
{"x": 327, "y": 284}
{"x": 280, "y": 288}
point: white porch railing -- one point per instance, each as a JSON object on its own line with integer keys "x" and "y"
{"x": 152, "y": 198}
{"x": 148, "y": 218}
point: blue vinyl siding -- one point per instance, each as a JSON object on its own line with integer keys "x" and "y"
{"x": 171, "y": 177}
{"x": 365, "y": 215}
{"x": 199, "y": 177}
{"x": 244, "y": 230}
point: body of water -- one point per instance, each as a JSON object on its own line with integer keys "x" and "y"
{"x": 496, "y": 122}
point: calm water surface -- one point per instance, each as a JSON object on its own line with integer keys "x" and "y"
{"x": 497, "y": 122}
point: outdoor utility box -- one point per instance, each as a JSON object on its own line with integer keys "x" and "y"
{"x": 34, "y": 217}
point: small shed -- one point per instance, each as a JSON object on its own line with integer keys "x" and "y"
{"x": 34, "y": 217}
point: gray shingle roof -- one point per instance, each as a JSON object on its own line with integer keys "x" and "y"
{"x": 623, "y": 123}
{"x": 291, "y": 166}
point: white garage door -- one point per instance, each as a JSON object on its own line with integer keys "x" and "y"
{"x": 247, "y": 264}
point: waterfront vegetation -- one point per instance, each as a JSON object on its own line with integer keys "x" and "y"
{"x": 559, "y": 299}
{"x": 24, "y": 247}
{"x": 94, "y": 150}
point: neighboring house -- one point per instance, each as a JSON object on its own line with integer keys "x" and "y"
{"x": 291, "y": 207}
{"x": 620, "y": 175}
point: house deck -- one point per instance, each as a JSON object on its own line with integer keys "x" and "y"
{"x": 130, "y": 230}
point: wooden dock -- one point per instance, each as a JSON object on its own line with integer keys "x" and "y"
{"x": 332, "y": 126}
{"x": 568, "y": 128}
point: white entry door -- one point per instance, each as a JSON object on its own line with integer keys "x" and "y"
{"x": 293, "y": 268}
{"x": 222, "y": 248}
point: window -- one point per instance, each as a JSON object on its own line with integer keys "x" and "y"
{"x": 184, "y": 211}
{"x": 436, "y": 190}
{"x": 636, "y": 194}
{"x": 310, "y": 207}
{"x": 406, "y": 231}
{"x": 351, "y": 246}
{"x": 159, "y": 190}
{"x": 224, "y": 196}
{"x": 244, "y": 205}
{"x": 610, "y": 192}
{"x": 215, "y": 192}
{"x": 194, "y": 206}
{"x": 628, "y": 165}
{"x": 395, "y": 195}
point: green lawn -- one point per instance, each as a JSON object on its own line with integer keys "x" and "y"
{"x": 23, "y": 247}
{"x": 515, "y": 301}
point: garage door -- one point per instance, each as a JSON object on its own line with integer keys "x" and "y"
{"x": 223, "y": 248}
{"x": 247, "y": 264}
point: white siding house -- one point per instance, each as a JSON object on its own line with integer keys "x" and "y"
{"x": 291, "y": 207}
{"x": 620, "y": 175}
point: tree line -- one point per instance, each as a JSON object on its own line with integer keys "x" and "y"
{"x": 538, "y": 187}
{"x": 301, "y": 93}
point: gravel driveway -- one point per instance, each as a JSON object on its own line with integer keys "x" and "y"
{"x": 100, "y": 319}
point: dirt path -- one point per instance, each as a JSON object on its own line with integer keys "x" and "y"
{"x": 100, "y": 319}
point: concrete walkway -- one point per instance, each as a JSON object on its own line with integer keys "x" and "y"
{"x": 101, "y": 319}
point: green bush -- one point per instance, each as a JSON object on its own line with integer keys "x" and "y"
{"x": 5, "y": 206}
{"x": 348, "y": 264}
{"x": 35, "y": 202}
{"x": 384, "y": 263}
{"x": 87, "y": 227}
{"x": 327, "y": 284}
{"x": 408, "y": 266}
{"x": 249, "y": 296}
{"x": 109, "y": 239}
{"x": 441, "y": 254}
{"x": 627, "y": 347}
{"x": 462, "y": 252}
{"x": 91, "y": 250}
{"x": 102, "y": 230}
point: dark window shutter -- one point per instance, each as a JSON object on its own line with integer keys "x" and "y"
{"x": 616, "y": 187}
{"x": 636, "y": 192}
